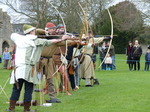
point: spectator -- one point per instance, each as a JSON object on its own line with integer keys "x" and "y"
{"x": 102, "y": 53}
{"x": 128, "y": 54}
{"x": 147, "y": 59}
{"x": 6, "y": 58}
{"x": 0, "y": 60}
{"x": 108, "y": 62}
{"x": 112, "y": 54}
{"x": 136, "y": 54}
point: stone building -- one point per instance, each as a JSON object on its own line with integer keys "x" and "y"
{"x": 5, "y": 31}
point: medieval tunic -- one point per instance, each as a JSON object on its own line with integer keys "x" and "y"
{"x": 28, "y": 52}
{"x": 61, "y": 63}
{"x": 57, "y": 56}
{"x": 87, "y": 68}
{"x": 48, "y": 61}
{"x": 46, "y": 64}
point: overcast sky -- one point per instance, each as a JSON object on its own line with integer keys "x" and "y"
{"x": 5, "y": 8}
{"x": 140, "y": 7}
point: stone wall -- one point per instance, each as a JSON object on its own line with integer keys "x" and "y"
{"x": 5, "y": 31}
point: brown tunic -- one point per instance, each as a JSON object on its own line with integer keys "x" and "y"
{"x": 47, "y": 53}
{"x": 57, "y": 56}
{"x": 48, "y": 61}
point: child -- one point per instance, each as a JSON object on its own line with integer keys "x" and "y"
{"x": 108, "y": 62}
{"x": 147, "y": 59}
{"x": 6, "y": 57}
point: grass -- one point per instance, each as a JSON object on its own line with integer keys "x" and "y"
{"x": 120, "y": 90}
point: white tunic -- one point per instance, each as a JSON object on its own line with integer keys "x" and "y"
{"x": 28, "y": 52}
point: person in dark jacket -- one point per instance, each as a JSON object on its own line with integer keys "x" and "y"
{"x": 102, "y": 51}
{"x": 147, "y": 59}
{"x": 136, "y": 54}
{"x": 128, "y": 54}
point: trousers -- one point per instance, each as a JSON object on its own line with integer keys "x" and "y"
{"x": 28, "y": 91}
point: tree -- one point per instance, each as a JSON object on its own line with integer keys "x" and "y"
{"x": 143, "y": 6}
{"x": 145, "y": 12}
{"x": 128, "y": 24}
{"x": 127, "y": 17}
{"x": 33, "y": 11}
{"x": 40, "y": 12}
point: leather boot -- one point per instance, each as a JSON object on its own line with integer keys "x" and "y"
{"x": 96, "y": 82}
{"x": 27, "y": 107}
{"x": 12, "y": 104}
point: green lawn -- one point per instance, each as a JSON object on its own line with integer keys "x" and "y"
{"x": 120, "y": 91}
